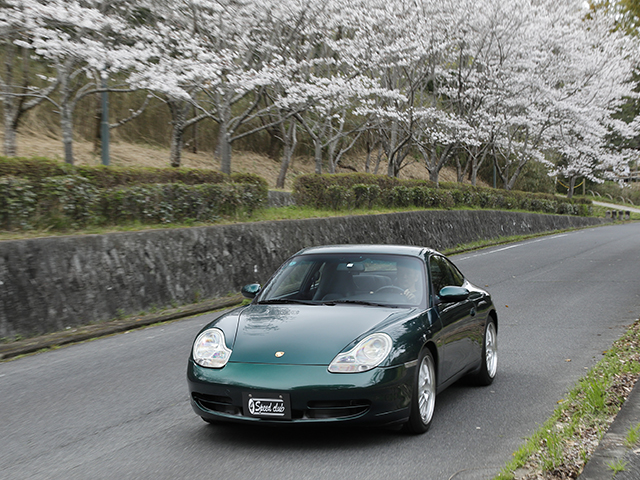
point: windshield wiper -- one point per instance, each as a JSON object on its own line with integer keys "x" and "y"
{"x": 281, "y": 301}
{"x": 360, "y": 302}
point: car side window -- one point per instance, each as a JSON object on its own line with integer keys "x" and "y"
{"x": 444, "y": 273}
{"x": 456, "y": 275}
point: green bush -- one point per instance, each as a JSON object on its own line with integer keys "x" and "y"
{"x": 365, "y": 196}
{"x": 36, "y": 169}
{"x": 33, "y": 169}
{"x": 69, "y": 198}
{"x": 312, "y": 190}
{"x": 254, "y": 190}
{"x": 366, "y": 190}
{"x": 337, "y": 197}
{"x": 47, "y": 194}
{"x": 17, "y": 203}
{"x": 442, "y": 199}
{"x": 175, "y": 202}
{"x": 399, "y": 196}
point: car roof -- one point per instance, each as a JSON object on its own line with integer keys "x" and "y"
{"x": 409, "y": 250}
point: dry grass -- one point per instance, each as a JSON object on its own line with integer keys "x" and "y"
{"x": 40, "y": 143}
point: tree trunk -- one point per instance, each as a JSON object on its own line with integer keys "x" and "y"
{"x": 223, "y": 151}
{"x": 476, "y": 163}
{"x": 178, "y": 109}
{"x": 370, "y": 145}
{"x": 331, "y": 150}
{"x": 465, "y": 170}
{"x": 392, "y": 169}
{"x": 379, "y": 159}
{"x": 8, "y": 102}
{"x": 177, "y": 143}
{"x": 434, "y": 176}
{"x": 504, "y": 176}
{"x": 66, "y": 110}
{"x": 66, "y": 123}
{"x": 290, "y": 141}
{"x": 515, "y": 175}
{"x": 459, "y": 173}
{"x": 13, "y": 106}
{"x": 10, "y": 136}
{"x": 431, "y": 162}
{"x": 572, "y": 186}
{"x": 317, "y": 154}
{"x": 97, "y": 140}
{"x": 194, "y": 134}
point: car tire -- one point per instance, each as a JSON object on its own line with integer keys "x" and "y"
{"x": 489, "y": 366}
{"x": 423, "y": 399}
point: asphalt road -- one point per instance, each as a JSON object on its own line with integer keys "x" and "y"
{"x": 117, "y": 407}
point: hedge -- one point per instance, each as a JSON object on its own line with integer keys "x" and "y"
{"x": 36, "y": 169}
{"x": 18, "y": 202}
{"x": 41, "y": 193}
{"x": 359, "y": 190}
{"x": 169, "y": 203}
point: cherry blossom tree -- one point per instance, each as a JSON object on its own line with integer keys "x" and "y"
{"x": 545, "y": 66}
{"x": 333, "y": 118}
{"x": 399, "y": 46}
{"x": 600, "y": 82}
{"x": 80, "y": 41}
{"x": 223, "y": 57}
{"x": 21, "y": 89}
{"x": 517, "y": 81}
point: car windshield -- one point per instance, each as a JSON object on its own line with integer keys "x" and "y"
{"x": 390, "y": 280}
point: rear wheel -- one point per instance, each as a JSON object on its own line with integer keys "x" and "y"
{"x": 489, "y": 355}
{"x": 423, "y": 400}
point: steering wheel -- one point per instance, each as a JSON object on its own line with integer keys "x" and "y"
{"x": 390, "y": 289}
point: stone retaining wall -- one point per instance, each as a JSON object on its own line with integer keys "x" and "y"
{"x": 49, "y": 284}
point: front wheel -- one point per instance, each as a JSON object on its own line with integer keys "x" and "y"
{"x": 489, "y": 365}
{"x": 423, "y": 400}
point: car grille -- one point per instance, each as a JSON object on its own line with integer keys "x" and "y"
{"x": 316, "y": 410}
{"x": 337, "y": 409}
{"x": 216, "y": 403}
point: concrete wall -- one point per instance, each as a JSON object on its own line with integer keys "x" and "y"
{"x": 48, "y": 284}
{"x": 279, "y": 198}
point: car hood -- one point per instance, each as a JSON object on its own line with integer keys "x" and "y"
{"x": 306, "y": 334}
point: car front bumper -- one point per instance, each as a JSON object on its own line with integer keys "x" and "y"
{"x": 379, "y": 396}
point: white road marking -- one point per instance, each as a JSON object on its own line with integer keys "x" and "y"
{"x": 511, "y": 246}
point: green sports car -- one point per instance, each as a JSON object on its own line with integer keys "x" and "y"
{"x": 346, "y": 333}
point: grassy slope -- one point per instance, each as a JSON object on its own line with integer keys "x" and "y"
{"x": 33, "y": 143}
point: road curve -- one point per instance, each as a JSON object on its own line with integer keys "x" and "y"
{"x": 614, "y": 206}
{"x": 117, "y": 407}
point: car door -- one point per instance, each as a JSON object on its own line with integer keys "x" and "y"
{"x": 456, "y": 319}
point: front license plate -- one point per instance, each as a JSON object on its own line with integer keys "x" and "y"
{"x": 267, "y": 405}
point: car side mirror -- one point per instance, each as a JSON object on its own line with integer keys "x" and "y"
{"x": 251, "y": 290}
{"x": 453, "y": 294}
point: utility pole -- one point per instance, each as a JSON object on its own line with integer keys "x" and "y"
{"x": 104, "y": 132}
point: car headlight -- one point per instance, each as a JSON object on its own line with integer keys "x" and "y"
{"x": 367, "y": 354}
{"x": 209, "y": 349}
